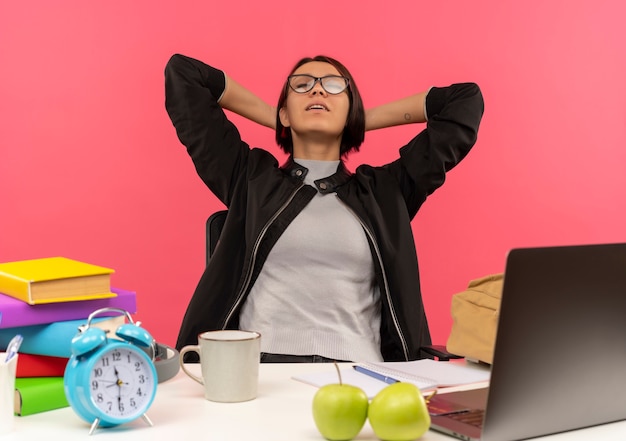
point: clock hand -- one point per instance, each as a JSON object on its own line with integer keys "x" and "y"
{"x": 119, "y": 388}
{"x": 119, "y": 381}
{"x": 115, "y": 382}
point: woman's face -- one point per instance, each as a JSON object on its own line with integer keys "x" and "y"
{"x": 316, "y": 113}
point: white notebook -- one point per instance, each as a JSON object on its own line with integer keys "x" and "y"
{"x": 425, "y": 374}
{"x": 441, "y": 373}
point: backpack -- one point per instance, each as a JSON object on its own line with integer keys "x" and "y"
{"x": 475, "y": 313}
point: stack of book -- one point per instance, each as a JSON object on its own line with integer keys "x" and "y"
{"x": 46, "y": 300}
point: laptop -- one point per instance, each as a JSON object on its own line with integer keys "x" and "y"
{"x": 560, "y": 355}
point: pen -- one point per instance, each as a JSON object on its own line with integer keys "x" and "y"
{"x": 13, "y": 347}
{"x": 381, "y": 377}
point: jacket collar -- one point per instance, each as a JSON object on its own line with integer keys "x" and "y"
{"x": 325, "y": 185}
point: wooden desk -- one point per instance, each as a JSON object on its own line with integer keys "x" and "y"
{"x": 282, "y": 411}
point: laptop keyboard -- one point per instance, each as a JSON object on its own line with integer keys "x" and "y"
{"x": 473, "y": 417}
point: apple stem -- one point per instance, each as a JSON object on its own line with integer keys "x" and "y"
{"x": 338, "y": 372}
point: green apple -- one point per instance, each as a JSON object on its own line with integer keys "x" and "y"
{"x": 399, "y": 413}
{"x": 340, "y": 411}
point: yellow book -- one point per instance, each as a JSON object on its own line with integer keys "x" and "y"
{"x": 54, "y": 279}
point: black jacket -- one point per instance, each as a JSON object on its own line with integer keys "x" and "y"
{"x": 263, "y": 198}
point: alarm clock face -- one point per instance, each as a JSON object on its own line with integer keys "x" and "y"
{"x": 122, "y": 382}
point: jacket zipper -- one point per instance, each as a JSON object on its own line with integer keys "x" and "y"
{"x": 255, "y": 249}
{"x": 386, "y": 285}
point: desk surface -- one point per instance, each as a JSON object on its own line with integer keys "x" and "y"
{"x": 282, "y": 411}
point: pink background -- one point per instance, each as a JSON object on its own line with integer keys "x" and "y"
{"x": 90, "y": 167}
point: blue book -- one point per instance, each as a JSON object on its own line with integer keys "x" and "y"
{"x": 54, "y": 339}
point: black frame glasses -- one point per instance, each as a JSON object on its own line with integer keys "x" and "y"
{"x": 304, "y": 83}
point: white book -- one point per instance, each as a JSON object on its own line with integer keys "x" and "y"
{"x": 425, "y": 374}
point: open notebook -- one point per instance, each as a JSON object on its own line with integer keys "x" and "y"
{"x": 425, "y": 374}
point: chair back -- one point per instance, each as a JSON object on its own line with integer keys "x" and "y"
{"x": 214, "y": 225}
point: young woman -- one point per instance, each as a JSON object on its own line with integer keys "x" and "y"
{"x": 319, "y": 260}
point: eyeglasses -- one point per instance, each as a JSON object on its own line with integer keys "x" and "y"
{"x": 333, "y": 84}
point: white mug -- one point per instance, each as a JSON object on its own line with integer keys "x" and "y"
{"x": 229, "y": 361}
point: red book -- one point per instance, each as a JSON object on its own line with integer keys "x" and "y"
{"x": 35, "y": 365}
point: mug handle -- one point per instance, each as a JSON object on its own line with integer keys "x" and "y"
{"x": 183, "y": 351}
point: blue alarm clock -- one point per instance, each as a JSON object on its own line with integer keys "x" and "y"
{"x": 111, "y": 381}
